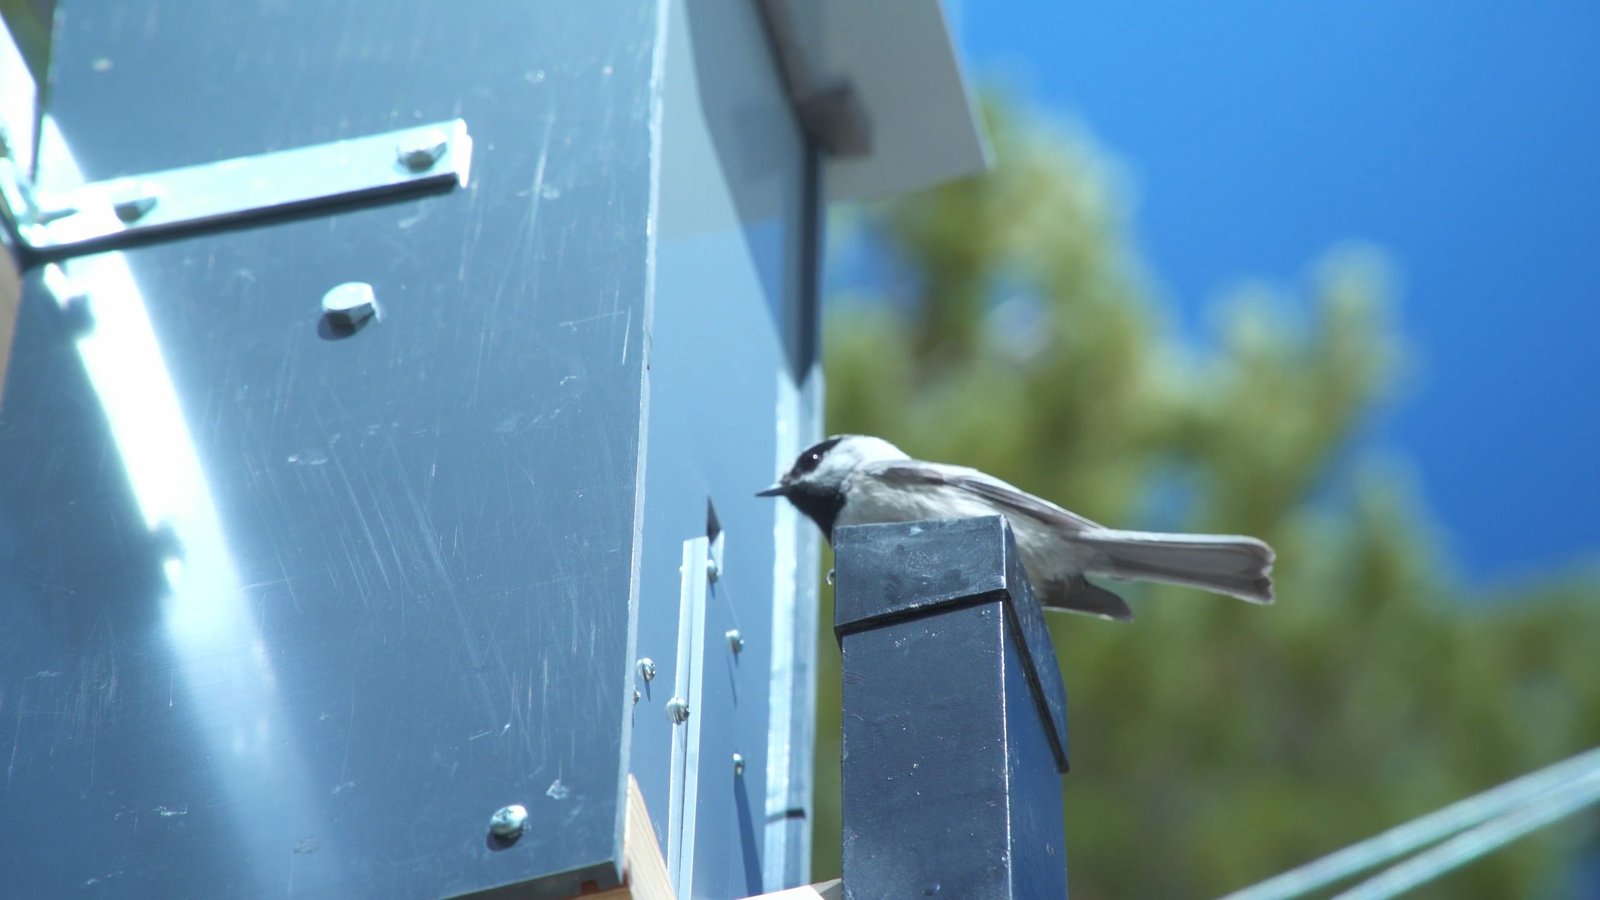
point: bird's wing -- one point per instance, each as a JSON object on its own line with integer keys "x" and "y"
{"x": 1008, "y": 498}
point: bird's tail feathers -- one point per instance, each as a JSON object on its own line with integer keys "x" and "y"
{"x": 1225, "y": 564}
{"x": 1080, "y": 596}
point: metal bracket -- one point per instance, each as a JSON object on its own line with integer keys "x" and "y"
{"x": 831, "y": 115}
{"x": 104, "y": 215}
{"x": 684, "y": 709}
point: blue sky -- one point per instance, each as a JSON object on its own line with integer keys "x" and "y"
{"x": 1462, "y": 138}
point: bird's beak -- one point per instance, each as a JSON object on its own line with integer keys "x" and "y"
{"x": 778, "y": 489}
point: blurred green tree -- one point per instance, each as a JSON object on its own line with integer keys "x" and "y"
{"x": 1213, "y": 743}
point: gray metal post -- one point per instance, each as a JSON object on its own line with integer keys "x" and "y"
{"x": 954, "y": 715}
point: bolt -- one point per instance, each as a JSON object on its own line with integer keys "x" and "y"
{"x": 508, "y": 821}
{"x": 132, "y": 199}
{"x": 349, "y": 304}
{"x": 647, "y": 669}
{"x": 636, "y": 695}
{"x": 419, "y": 152}
{"x": 713, "y": 571}
{"x": 677, "y": 710}
{"x": 735, "y": 640}
{"x": 738, "y": 764}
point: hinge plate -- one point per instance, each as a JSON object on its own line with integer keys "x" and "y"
{"x": 104, "y": 215}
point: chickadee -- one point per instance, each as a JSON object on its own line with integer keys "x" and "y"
{"x": 854, "y": 479}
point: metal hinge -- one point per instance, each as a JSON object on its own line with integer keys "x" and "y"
{"x": 104, "y": 215}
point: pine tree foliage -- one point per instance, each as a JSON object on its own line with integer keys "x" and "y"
{"x": 1213, "y": 743}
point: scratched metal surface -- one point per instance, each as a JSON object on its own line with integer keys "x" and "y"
{"x": 729, "y": 348}
{"x": 286, "y": 615}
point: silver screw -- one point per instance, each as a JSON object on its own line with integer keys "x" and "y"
{"x": 647, "y": 669}
{"x": 350, "y": 304}
{"x": 738, "y": 764}
{"x": 636, "y": 695}
{"x": 508, "y": 821}
{"x": 419, "y": 152}
{"x": 735, "y": 640}
{"x": 677, "y": 710}
{"x": 132, "y": 199}
{"x": 713, "y": 571}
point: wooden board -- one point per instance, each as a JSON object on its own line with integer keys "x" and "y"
{"x": 10, "y": 300}
{"x": 644, "y": 868}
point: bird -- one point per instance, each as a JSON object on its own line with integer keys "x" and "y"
{"x": 855, "y": 479}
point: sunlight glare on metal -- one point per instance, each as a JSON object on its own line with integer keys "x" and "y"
{"x": 1511, "y": 797}
{"x": 207, "y": 615}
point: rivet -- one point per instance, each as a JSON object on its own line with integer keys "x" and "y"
{"x": 132, "y": 199}
{"x": 349, "y": 304}
{"x": 508, "y": 821}
{"x": 677, "y": 710}
{"x": 738, "y": 764}
{"x": 419, "y": 152}
{"x": 647, "y": 669}
{"x": 713, "y": 571}
{"x": 735, "y": 640}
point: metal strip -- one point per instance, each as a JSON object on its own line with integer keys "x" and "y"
{"x": 684, "y": 791}
{"x": 1469, "y": 845}
{"x": 1502, "y": 800}
{"x": 788, "y": 669}
{"x": 108, "y": 214}
{"x": 19, "y": 94}
{"x": 792, "y": 700}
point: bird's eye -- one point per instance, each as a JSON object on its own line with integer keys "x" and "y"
{"x": 812, "y": 457}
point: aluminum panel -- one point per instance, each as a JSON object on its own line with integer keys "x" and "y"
{"x": 732, "y": 389}
{"x": 290, "y": 611}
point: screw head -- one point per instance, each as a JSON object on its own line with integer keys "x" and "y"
{"x": 738, "y": 764}
{"x": 735, "y": 640}
{"x": 713, "y": 571}
{"x": 132, "y": 199}
{"x": 677, "y": 710}
{"x": 647, "y": 669}
{"x": 419, "y": 152}
{"x": 350, "y": 304}
{"x": 508, "y": 821}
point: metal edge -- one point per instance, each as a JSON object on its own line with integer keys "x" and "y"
{"x": 1037, "y": 651}
{"x": 641, "y": 468}
{"x": 109, "y": 214}
{"x": 684, "y": 789}
{"x": 792, "y": 727}
{"x": 850, "y": 617}
{"x": 19, "y": 101}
